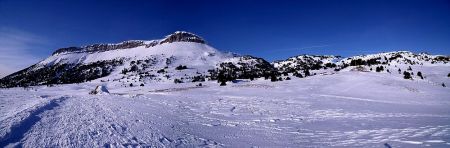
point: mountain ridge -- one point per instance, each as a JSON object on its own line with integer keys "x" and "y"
{"x": 160, "y": 61}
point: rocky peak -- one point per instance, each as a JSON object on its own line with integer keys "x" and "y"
{"x": 182, "y": 36}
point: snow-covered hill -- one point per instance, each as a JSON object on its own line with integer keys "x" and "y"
{"x": 180, "y": 57}
{"x": 315, "y": 64}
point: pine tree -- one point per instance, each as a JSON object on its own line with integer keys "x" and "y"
{"x": 142, "y": 84}
{"x": 409, "y": 68}
{"x": 443, "y": 85}
{"x": 399, "y": 71}
{"x": 378, "y": 69}
{"x": 223, "y": 83}
{"x": 419, "y": 74}
{"x": 288, "y": 78}
{"x": 406, "y": 75}
{"x": 273, "y": 78}
{"x": 307, "y": 73}
{"x": 124, "y": 71}
{"x": 222, "y": 79}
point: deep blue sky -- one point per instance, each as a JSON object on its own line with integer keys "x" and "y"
{"x": 269, "y": 29}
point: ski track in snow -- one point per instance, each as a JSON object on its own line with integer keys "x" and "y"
{"x": 300, "y": 112}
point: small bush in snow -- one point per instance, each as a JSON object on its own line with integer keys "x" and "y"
{"x": 298, "y": 75}
{"x": 409, "y": 68}
{"x": 443, "y": 85}
{"x": 181, "y": 67}
{"x": 176, "y": 81}
{"x": 161, "y": 71}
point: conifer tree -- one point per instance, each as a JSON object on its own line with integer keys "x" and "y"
{"x": 406, "y": 75}
{"x": 273, "y": 78}
{"x": 419, "y": 74}
{"x": 307, "y": 73}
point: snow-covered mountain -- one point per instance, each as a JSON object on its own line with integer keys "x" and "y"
{"x": 329, "y": 63}
{"x": 181, "y": 57}
{"x": 185, "y": 57}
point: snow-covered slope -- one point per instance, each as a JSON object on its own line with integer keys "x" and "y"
{"x": 401, "y": 57}
{"x": 332, "y": 64}
{"x": 347, "y": 109}
{"x": 183, "y": 56}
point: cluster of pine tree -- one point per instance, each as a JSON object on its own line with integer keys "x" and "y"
{"x": 379, "y": 69}
{"x": 60, "y": 74}
{"x": 369, "y": 62}
{"x": 228, "y": 71}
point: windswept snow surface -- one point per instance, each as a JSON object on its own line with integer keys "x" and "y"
{"x": 346, "y": 109}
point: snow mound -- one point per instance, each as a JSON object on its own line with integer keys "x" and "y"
{"x": 99, "y": 90}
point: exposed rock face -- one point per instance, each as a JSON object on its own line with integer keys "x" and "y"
{"x": 101, "y": 47}
{"x": 181, "y": 36}
{"x": 178, "y": 36}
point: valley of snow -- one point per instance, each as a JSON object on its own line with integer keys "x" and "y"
{"x": 344, "y": 109}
